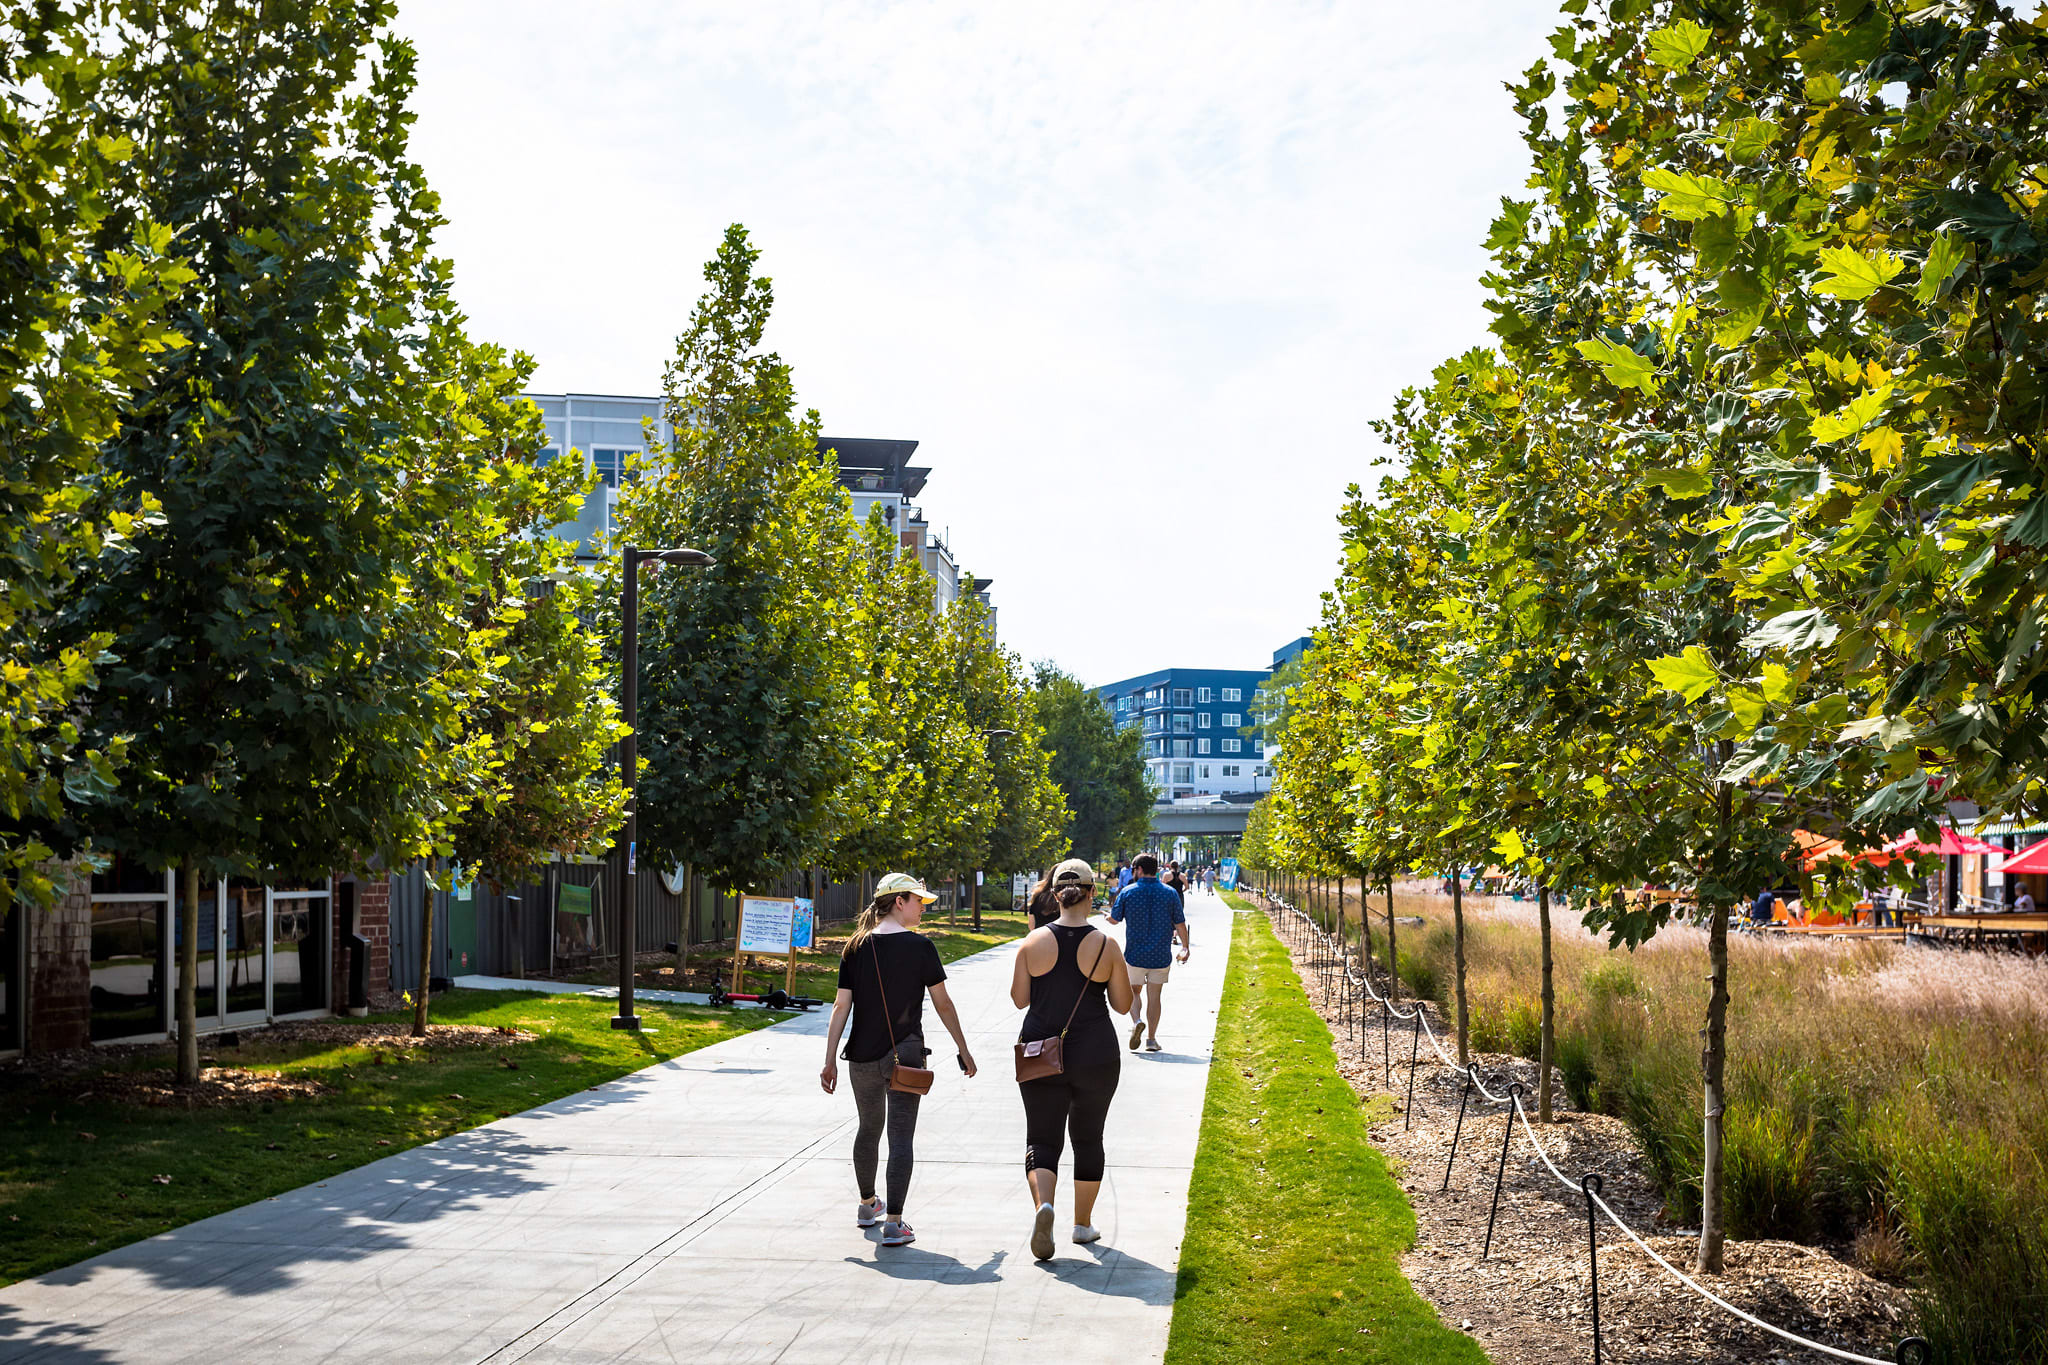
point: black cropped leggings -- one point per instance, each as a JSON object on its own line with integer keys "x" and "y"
{"x": 1075, "y": 1102}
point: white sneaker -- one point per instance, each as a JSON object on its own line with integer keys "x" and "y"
{"x": 1083, "y": 1234}
{"x": 1041, "y": 1233}
{"x": 1137, "y": 1033}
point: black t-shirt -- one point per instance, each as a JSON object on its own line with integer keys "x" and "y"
{"x": 909, "y": 964}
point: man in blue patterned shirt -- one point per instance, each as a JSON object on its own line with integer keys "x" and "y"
{"x": 1153, "y": 918}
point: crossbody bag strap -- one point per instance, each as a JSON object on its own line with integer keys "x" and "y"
{"x": 1087, "y": 980}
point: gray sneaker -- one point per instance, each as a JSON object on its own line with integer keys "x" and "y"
{"x": 897, "y": 1235}
{"x": 1041, "y": 1233}
{"x": 868, "y": 1212}
{"x": 1152, "y": 1045}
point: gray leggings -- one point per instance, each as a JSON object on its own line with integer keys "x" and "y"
{"x": 873, "y": 1098}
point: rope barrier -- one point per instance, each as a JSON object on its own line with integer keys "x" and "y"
{"x": 1588, "y": 1187}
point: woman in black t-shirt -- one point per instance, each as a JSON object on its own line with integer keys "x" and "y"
{"x": 885, "y": 961}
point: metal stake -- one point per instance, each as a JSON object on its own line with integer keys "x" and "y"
{"x": 1414, "y": 1050}
{"x": 1589, "y": 1185}
{"x": 1464, "y": 1093}
{"x": 1507, "y": 1131}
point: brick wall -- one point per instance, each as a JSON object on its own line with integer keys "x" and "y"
{"x": 60, "y": 969}
{"x": 373, "y": 922}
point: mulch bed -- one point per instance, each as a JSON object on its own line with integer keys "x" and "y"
{"x": 1527, "y": 1302}
{"x": 142, "y": 1073}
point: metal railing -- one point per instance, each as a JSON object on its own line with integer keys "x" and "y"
{"x": 1337, "y": 965}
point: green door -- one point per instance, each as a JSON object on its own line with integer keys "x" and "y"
{"x": 462, "y": 928}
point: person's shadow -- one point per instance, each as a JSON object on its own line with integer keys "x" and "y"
{"x": 1116, "y": 1272}
{"x": 908, "y": 1263}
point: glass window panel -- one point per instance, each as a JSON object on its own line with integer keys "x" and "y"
{"x": 299, "y": 962}
{"x": 1183, "y": 724}
{"x": 127, "y": 967}
{"x": 243, "y": 966}
{"x": 1233, "y": 694}
{"x": 1202, "y": 721}
{"x": 1202, "y": 694}
{"x": 1232, "y": 746}
{"x": 1183, "y": 772}
{"x": 1202, "y": 745}
{"x": 11, "y": 918}
{"x": 1180, "y": 748}
{"x": 1182, "y": 697}
{"x": 1233, "y": 720}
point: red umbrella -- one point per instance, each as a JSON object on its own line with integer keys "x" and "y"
{"x": 1950, "y": 845}
{"x": 2034, "y": 859}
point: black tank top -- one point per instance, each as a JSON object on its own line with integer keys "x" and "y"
{"x": 1091, "y": 1040}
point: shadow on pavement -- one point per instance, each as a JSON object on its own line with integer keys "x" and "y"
{"x": 1116, "y": 1273}
{"x": 908, "y": 1263}
{"x": 59, "y": 1343}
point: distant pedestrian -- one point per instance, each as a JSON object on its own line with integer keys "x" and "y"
{"x": 1068, "y": 974}
{"x": 1153, "y": 915}
{"x": 1123, "y": 874}
{"x": 883, "y": 976}
{"x": 1176, "y": 879}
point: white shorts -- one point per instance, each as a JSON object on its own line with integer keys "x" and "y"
{"x": 1142, "y": 976}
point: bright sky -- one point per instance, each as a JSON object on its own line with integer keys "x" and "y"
{"x": 1136, "y": 276}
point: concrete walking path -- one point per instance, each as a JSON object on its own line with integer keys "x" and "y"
{"x": 699, "y": 1210}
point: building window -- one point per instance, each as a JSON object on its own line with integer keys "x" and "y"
{"x": 1202, "y": 695}
{"x": 1202, "y": 721}
{"x": 1205, "y": 771}
{"x": 1233, "y": 720}
{"x": 1180, "y": 748}
{"x": 546, "y": 457}
{"x": 1233, "y": 770}
{"x": 1183, "y": 772}
{"x": 1233, "y": 694}
{"x": 1202, "y": 745}
{"x": 611, "y": 465}
{"x": 1182, "y": 697}
{"x": 1183, "y": 725}
{"x": 1233, "y": 746}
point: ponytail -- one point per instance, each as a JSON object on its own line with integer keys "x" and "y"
{"x": 864, "y": 924}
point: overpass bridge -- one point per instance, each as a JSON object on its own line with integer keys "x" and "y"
{"x": 1176, "y": 820}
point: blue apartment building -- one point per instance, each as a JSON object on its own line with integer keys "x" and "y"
{"x": 1190, "y": 718}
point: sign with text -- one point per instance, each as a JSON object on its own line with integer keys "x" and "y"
{"x": 803, "y": 932}
{"x": 767, "y": 924}
{"x": 1227, "y": 875}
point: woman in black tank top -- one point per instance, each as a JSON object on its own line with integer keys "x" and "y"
{"x": 1068, "y": 976}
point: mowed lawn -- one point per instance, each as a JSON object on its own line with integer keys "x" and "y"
{"x": 1295, "y": 1224}
{"x": 82, "y": 1175}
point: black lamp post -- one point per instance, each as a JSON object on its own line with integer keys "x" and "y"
{"x": 629, "y": 762}
{"x": 976, "y": 892}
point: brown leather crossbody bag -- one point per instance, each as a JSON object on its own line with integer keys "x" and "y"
{"x": 911, "y": 1080}
{"x": 1042, "y": 1057}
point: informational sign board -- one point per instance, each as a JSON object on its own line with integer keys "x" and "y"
{"x": 768, "y": 925}
{"x": 803, "y": 931}
{"x": 1227, "y": 874}
{"x": 1020, "y": 886}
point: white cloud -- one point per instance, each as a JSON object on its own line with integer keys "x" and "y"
{"x": 1137, "y": 276}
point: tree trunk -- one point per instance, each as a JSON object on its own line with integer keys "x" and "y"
{"x": 419, "y": 1001}
{"x": 1546, "y": 1051}
{"x": 1393, "y": 954}
{"x": 1458, "y": 951}
{"x": 188, "y": 976}
{"x": 1713, "y": 1062}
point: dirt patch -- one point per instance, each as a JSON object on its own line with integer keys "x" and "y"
{"x": 218, "y": 1087}
{"x": 143, "y": 1073}
{"x": 1527, "y": 1302}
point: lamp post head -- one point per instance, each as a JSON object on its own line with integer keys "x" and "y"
{"x": 997, "y": 734}
{"x": 683, "y": 556}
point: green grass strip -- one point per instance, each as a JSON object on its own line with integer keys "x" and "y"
{"x": 79, "y": 1176}
{"x": 1295, "y": 1224}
